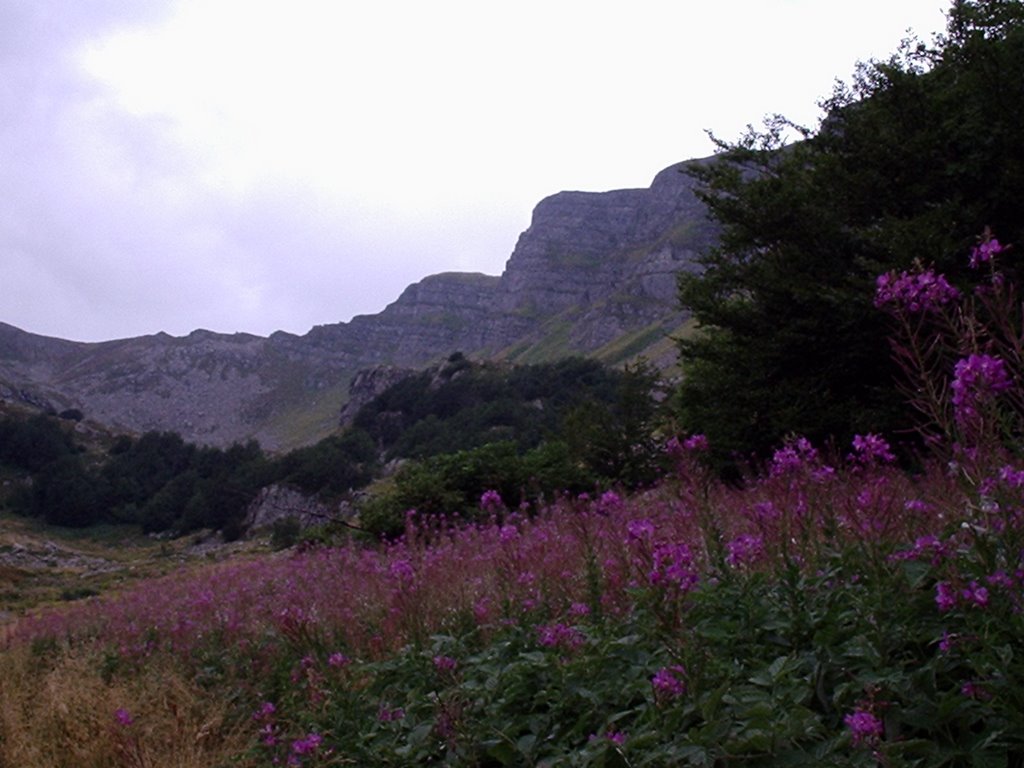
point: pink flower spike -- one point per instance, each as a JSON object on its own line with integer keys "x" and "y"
{"x": 445, "y": 663}
{"x": 913, "y": 293}
{"x": 696, "y": 443}
{"x": 491, "y": 500}
{"x": 945, "y": 596}
{"x": 871, "y": 448}
{"x": 669, "y": 682}
{"x": 985, "y": 252}
{"x": 307, "y": 744}
{"x": 124, "y": 717}
{"x": 865, "y": 727}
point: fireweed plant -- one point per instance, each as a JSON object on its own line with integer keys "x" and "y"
{"x": 830, "y": 610}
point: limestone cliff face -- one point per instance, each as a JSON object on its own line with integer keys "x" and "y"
{"x": 592, "y": 266}
{"x": 592, "y": 269}
{"x": 581, "y": 245}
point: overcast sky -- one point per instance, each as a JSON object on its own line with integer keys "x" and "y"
{"x": 258, "y": 165}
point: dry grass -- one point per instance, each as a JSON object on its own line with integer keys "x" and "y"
{"x": 57, "y": 710}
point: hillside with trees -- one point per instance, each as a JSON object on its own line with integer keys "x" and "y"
{"x": 457, "y": 430}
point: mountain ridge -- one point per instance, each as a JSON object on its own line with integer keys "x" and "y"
{"x": 593, "y": 271}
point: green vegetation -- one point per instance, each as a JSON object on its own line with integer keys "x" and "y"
{"x": 552, "y": 345}
{"x": 915, "y": 156}
{"x": 467, "y": 427}
{"x": 527, "y": 434}
{"x": 626, "y": 348}
{"x": 463, "y": 405}
{"x": 822, "y": 607}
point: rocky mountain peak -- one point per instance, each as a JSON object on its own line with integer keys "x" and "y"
{"x": 593, "y": 274}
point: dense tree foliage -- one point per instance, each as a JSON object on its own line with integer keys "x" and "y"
{"x": 331, "y": 467}
{"x": 464, "y": 405}
{"x": 583, "y": 428}
{"x": 617, "y": 441}
{"x": 474, "y": 484}
{"x": 526, "y": 433}
{"x": 30, "y": 444}
{"x": 914, "y": 158}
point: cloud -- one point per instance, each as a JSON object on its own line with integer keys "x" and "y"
{"x": 242, "y": 165}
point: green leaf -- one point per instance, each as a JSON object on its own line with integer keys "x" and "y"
{"x": 526, "y": 743}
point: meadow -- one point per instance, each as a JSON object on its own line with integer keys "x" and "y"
{"x": 831, "y": 607}
{"x": 847, "y": 603}
{"x": 824, "y": 613}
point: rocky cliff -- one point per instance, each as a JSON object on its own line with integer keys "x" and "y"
{"x": 593, "y": 274}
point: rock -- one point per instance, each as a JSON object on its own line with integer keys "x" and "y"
{"x": 591, "y": 268}
{"x": 368, "y": 384}
{"x": 277, "y": 503}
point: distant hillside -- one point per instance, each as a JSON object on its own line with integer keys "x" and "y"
{"x": 594, "y": 274}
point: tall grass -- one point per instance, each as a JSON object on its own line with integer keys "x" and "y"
{"x": 823, "y": 612}
{"x": 691, "y": 624}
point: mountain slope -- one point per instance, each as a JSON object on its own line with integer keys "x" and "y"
{"x": 593, "y": 274}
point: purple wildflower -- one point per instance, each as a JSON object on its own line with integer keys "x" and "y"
{"x": 976, "y": 594}
{"x": 669, "y": 682}
{"x": 265, "y": 712}
{"x": 796, "y": 456}
{"x": 1000, "y": 579}
{"x": 402, "y": 571}
{"x": 445, "y": 663}
{"x": 696, "y": 443}
{"x": 640, "y": 530}
{"x": 579, "y": 609}
{"x": 338, "y": 659}
{"x": 1012, "y": 477}
{"x": 491, "y": 500}
{"x": 308, "y": 744}
{"x": 387, "y": 715}
{"x": 673, "y": 565}
{"x": 917, "y": 505}
{"x": 617, "y": 738}
{"x": 124, "y": 717}
{"x": 744, "y": 550}
{"x": 925, "y": 548}
{"x": 268, "y": 735}
{"x": 976, "y": 380}
{"x": 559, "y": 635}
{"x": 870, "y": 449}
{"x": 764, "y": 513}
{"x": 945, "y": 596}
{"x": 985, "y": 252}
{"x": 973, "y": 690}
{"x": 913, "y": 293}
{"x": 865, "y": 727}
{"x": 947, "y": 642}
{"x": 609, "y": 501}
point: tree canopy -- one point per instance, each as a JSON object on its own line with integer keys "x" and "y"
{"x": 913, "y": 159}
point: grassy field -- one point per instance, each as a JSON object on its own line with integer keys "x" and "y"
{"x": 842, "y": 614}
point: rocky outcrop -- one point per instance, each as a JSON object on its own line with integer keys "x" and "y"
{"x": 368, "y": 384}
{"x": 276, "y": 503}
{"x": 592, "y": 268}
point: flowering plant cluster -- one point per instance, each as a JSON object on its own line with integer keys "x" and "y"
{"x": 842, "y": 609}
{"x": 962, "y": 371}
{"x": 914, "y": 293}
{"x": 605, "y": 616}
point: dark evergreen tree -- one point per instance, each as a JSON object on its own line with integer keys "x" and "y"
{"x": 65, "y": 493}
{"x": 913, "y": 159}
{"x": 33, "y": 443}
